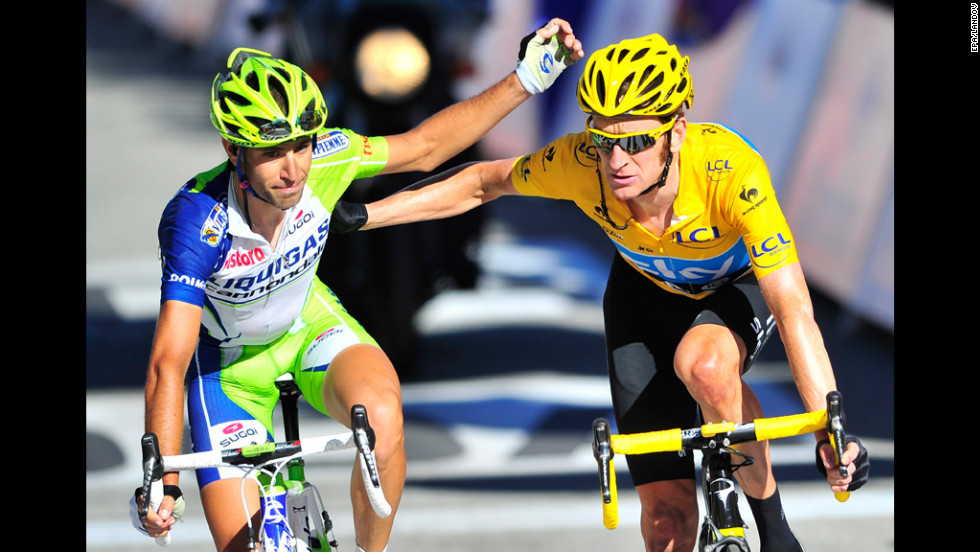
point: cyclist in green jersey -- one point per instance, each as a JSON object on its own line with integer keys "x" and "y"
{"x": 240, "y": 302}
{"x": 706, "y": 269}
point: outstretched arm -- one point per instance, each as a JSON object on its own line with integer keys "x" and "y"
{"x": 446, "y": 194}
{"x": 455, "y": 128}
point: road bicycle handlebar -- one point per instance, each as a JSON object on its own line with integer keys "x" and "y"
{"x": 710, "y": 436}
{"x": 361, "y": 437}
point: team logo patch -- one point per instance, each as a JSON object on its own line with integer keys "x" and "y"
{"x": 585, "y": 154}
{"x": 718, "y": 170}
{"x": 751, "y": 195}
{"x": 237, "y": 434}
{"x": 772, "y": 251}
{"x": 331, "y": 143}
{"x": 215, "y": 226}
{"x": 525, "y": 170}
{"x": 326, "y": 346}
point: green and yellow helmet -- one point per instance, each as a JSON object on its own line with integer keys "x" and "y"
{"x": 638, "y": 76}
{"x": 263, "y": 101}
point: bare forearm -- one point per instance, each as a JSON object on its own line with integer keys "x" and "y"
{"x": 444, "y": 195}
{"x": 460, "y": 121}
{"x": 455, "y": 128}
{"x": 173, "y": 348}
{"x": 788, "y": 298}
{"x": 808, "y": 360}
{"x": 164, "y": 395}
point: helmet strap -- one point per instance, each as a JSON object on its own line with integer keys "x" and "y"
{"x": 603, "y": 208}
{"x": 663, "y": 178}
{"x": 244, "y": 181}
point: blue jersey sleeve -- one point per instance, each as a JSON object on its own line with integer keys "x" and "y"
{"x": 193, "y": 241}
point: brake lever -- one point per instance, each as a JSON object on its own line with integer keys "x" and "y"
{"x": 603, "y": 453}
{"x": 152, "y": 470}
{"x": 364, "y": 439}
{"x": 836, "y": 423}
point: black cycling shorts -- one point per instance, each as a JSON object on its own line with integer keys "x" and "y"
{"x": 644, "y": 325}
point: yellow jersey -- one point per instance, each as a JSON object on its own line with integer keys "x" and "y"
{"x": 726, "y": 217}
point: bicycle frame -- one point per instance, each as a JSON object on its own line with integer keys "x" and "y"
{"x": 722, "y": 527}
{"x": 306, "y": 523}
{"x": 292, "y": 512}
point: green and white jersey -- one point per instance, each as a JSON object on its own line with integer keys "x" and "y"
{"x": 253, "y": 291}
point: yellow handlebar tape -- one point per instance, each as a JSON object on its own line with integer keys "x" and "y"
{"x": 788, "y": 426}
{"x": 672, "y": 440}
{"x": 710, "y": 430}
{"x": 641, "y": 443}
{"x": 610, "y": 512}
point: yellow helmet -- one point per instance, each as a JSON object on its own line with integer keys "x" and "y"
{"x": 638, "y": 76}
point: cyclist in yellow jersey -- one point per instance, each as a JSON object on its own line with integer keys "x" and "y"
{"x": 240, "y": 305}
{"x": 707, "y": 268}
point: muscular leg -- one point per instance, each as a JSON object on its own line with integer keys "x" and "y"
{"x": 709, "y": 361}
{"x": 362, "y": 374}
{"x": 222, "y": 503}
{"x": 668, "y": 515}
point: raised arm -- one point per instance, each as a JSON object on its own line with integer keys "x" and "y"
{"x": 455, "y": 128}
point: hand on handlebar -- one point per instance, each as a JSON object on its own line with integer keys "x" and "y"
{"x": 855, "y": 459}
{"x": 160, "y": 521}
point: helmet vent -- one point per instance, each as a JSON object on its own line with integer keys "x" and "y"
{"x": 648, "y": 103}
{"x": 234, "y": 98}
{"x": 624, "y": 88}
{"x": 645, "y": 76}
{"x": 600, "y": 88}
{"x": 278, "y": 93}
{"x": 667, "y": 107}
{"x": 282, "y": 73}
{"x": 640, "y": 53}
{"x": 252, "y": 81}
{"x": 622, "y": 55}
{"x": 655, "y": 83}
{"x": 673, "y": 64}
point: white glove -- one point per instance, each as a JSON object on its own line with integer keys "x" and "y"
{"x": 134, "y": 511}
{"x": 541, "y": 61}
